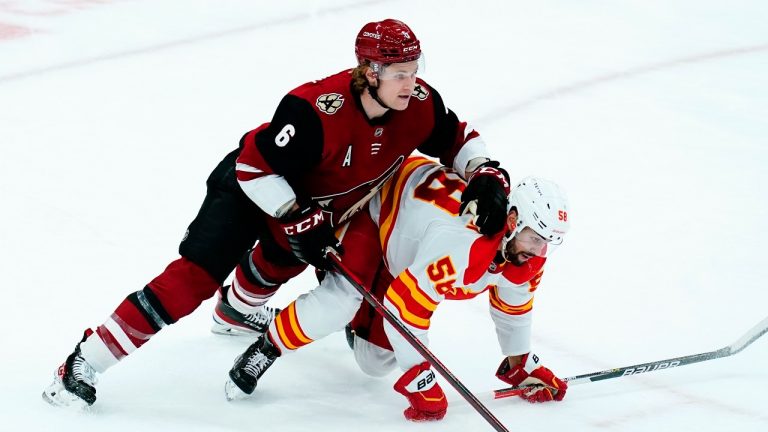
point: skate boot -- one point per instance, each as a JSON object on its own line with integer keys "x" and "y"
{"x": 74, "y": 382}
{"x": 228, "y": 321}
{"x": 249, "y": 367}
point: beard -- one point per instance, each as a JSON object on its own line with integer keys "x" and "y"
{"x": 517, "y": 259}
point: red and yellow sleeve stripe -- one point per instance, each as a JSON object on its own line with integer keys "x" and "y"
{"x": 415, "y": 307}
{"x": 534, "y": 283}
{"x": 499, "y": 304}
{"x": 391, "y": 194}
{"x": 288, "y": 329}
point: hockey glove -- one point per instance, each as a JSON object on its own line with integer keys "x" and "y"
{"x": 309, "y": 233}
{"x": 530, "y": 372}
{"x": 427, "y": 399}
{"x": 487, "y": 188}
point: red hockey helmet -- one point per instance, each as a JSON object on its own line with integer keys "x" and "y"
{"x": 385, "y": 42}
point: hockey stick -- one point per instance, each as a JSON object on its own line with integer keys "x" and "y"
{"x": 752, "y": 335}
{"x": 417, "y": 344}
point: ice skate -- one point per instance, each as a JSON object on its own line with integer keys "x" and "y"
{"x": 74, "y": 382}
{"x": 228, "y": 321}
{"x": 249, "y": 367}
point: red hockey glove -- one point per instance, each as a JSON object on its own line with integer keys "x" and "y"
{"x": 531, "y": 372}
{"x": 488, "y": 188}
{"x": 309, "y": 233}
{"x": 427, "y": 399}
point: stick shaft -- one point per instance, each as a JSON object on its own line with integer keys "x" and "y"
{"x": 752, "y": 335}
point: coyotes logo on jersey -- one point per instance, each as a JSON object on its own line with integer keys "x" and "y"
{"x": 420, "y": 93}
{"x": 330, "y": 103}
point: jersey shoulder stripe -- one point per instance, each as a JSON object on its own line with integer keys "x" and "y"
{"x": 391, "y": 195}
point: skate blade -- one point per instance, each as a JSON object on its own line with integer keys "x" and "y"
{"x": 232, "y": 331}
{"x": 232, "y": 392}
{"x": 225, "y": 329}
{"x": 64, "y": 399}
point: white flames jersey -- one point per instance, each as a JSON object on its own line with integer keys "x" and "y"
{"x": 435, "y": 254}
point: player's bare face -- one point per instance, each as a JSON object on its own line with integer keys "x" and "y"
{"x": 396, "y": 84}
{"x": 525, "y": 245}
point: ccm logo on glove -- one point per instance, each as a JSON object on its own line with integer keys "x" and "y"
{"x": 307, "y": 222}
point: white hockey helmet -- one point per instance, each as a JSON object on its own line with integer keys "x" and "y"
{"x": 542, "y": 206}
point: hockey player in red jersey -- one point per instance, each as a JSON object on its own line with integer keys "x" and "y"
{"x": 330, "y": 146}
{"x": 432, "y": 251}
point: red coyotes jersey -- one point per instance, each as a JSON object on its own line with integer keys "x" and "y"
{"x": 435, "y": 254}
{"x": 321, "y": 141}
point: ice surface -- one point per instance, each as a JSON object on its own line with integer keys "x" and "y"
{"x": 651, "y": 114}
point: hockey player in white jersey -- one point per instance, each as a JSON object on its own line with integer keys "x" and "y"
{"x": 435, "y": 254}
{"x": 431, "y": 252}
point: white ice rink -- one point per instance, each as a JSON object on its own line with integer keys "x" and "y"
{"x": 652, "y": 114}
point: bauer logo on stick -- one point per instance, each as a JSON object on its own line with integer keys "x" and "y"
{"x": 644, "y": 369}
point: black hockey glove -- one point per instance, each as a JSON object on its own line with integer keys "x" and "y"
{"x": 487, "y": 189}
{"x": 309, "y": 233}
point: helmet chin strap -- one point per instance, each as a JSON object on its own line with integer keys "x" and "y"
{"x": 512, "y": 229}
{"x": 504, "y": 241}
{"x": 374, "y": 92}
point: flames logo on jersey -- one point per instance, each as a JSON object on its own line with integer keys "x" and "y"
{"x": 420, "y": 92}
{"x": 330, "y": 103}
